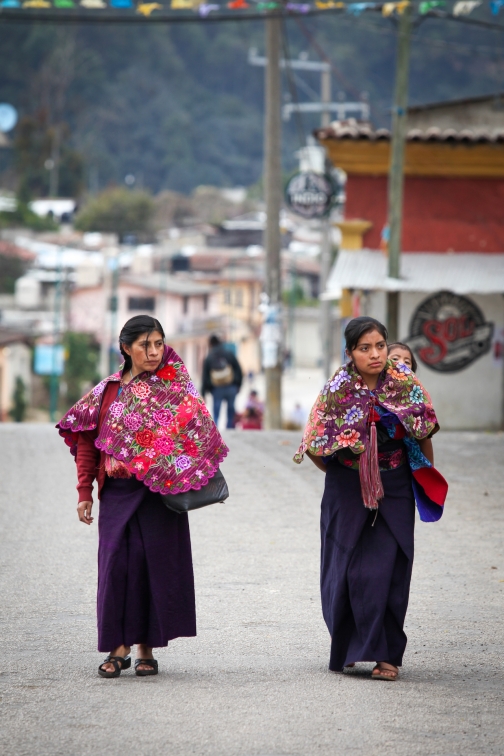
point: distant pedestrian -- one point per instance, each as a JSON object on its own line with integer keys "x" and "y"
{"x": 142, "y": 431}
{"x": 370, "y": 431}
{"x": 222, "y": 377}
{"x": 252, "y": 417}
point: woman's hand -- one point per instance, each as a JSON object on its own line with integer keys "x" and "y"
{"x": 84, "y": 511}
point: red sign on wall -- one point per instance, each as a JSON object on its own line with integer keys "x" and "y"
{"x": 449, "y": 332}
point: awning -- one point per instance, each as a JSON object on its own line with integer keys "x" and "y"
{"x": 460, "y": 272}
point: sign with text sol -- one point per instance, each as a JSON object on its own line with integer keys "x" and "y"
{"x": 449, "y": 332}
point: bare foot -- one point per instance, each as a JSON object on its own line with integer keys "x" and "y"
{"x": 119, "y": 651}
{"x": 385, "y": 671}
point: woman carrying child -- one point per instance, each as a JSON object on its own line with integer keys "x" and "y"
{"x": 370, "y": 431}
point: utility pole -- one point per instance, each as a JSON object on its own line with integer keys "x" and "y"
{"x": 273, "y": 198}
{"x": 396, "y": 173}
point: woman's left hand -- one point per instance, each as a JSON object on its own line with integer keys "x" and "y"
{"x": 84, "y": 510}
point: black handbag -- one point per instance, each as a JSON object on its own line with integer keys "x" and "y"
{"x": 214, "y": 491}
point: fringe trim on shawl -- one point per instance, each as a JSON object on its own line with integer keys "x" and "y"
{"x": 369, "y": 471}
{"x": 115, "y": 468}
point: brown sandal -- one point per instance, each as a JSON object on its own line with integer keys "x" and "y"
{"x": 381, "y": 667}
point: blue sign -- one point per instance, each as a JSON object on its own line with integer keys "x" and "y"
{"x": 49, "y": 360}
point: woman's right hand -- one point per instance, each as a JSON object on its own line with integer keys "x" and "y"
{"x": 84, "y": 510}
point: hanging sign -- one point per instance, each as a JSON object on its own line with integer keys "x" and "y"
{"x": 310, "y": 194}
{"x": 449, "y": 332}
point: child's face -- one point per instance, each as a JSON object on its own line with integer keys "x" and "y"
{"x": 400, "y": 355}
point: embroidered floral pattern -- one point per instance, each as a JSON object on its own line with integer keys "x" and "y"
{"x": 160, "y": 430}
{"x": 348, "y": 438}
{"x": 164, "y": 445}
{"x": 163, "y": 417}
{"x": 339, "y": 379}
{"x": 416, "y": 395}
{"x": 133, "y": 421}
{"x": 141, "y": 390}
{"x": 116, "y": 409}
{"x": 339, "y": 417}
{"x": 353, "y": 415}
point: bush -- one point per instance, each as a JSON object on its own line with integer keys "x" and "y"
{"x": 117, "y": 211}
{"x": 19, "y": 403}
{"x": 25, "y": 218}
{"x": 81, "y": 363}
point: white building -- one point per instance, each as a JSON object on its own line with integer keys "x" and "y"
{"x": 451, "y": 314}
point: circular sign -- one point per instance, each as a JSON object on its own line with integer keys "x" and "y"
{"x": 310, "y": 194}
{"x": 8, "y": 116}
{"x": 449, "y": 332}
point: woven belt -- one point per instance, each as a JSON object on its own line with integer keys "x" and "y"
{"x": 388, "y": 460}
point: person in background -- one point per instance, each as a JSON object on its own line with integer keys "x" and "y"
{"x": 252, "y": 418}
{"x": 399, "y": 352}
{"x": 222, "y": 377}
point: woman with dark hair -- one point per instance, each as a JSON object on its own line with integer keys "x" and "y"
{"x": 140, "y": 432}
{"x": 370, "y": 431}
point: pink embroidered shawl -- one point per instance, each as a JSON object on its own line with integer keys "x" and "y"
{"x": 159, "y": 428}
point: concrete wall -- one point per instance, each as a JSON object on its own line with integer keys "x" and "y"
{"x": 15, "y": 360}
{"x": 472, "y": 398}
{"x": 440, "y": 214}
{"x": 302, "y": 336}
{"x": 485, "y": 116}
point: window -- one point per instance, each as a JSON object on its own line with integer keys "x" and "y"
{"x": 227, "y": 296}
{"x": 147, "y": 304}
{"x": 205, "y": 302}
{"x": 185, "y": 305}
{"x": 239, "y": 297}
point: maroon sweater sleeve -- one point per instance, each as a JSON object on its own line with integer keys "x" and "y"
{"x": 88, "y": 460}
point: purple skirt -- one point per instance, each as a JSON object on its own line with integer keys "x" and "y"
{"x": 145, "y": 573}
{"x": 365, "y": 568}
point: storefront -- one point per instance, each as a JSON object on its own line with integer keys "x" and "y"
{"x": 451, "y": 314}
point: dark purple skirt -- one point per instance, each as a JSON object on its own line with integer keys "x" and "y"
{"x": 365, "y": 568}
{"x": 145, "y": 573}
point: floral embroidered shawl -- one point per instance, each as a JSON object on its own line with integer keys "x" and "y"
{"x": 339, "y": 418}
{"x": 159, "y": 428}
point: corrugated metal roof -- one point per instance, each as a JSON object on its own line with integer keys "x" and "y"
{"x": 358, "y": 130}
{"x": 462, "y": 273}
{"x": 171, "y": 284}
{"x": 491, "y": 97}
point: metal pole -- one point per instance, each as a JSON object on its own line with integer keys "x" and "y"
{"x": 273, "y": 197}
{"x": 325, "y": 96}
{"x": 325, "y": 305}
{"x": 396, "y": 173}
{"x": 114, "y": 261}
{"x": 325, "y": 250}
{"x": 54, "y": 384}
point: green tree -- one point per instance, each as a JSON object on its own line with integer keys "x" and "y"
{"x": 19, "y": 402}
{"x": 81, "y": 364}
{"x": 119, "y": 211}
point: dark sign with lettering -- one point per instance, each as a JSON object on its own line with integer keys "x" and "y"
{"x": 310, "y": 194}
{"x": 449, "y": 332}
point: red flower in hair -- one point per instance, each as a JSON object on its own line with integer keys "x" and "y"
{"x": 167, "y": 373}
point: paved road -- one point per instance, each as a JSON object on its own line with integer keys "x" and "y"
{"x": 255, "y": 681}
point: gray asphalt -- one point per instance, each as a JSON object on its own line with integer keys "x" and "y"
{"x": 255, "y": 681}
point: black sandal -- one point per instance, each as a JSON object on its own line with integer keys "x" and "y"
{"x": 125, "y": 663}
{"x": 144, "y": 672}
